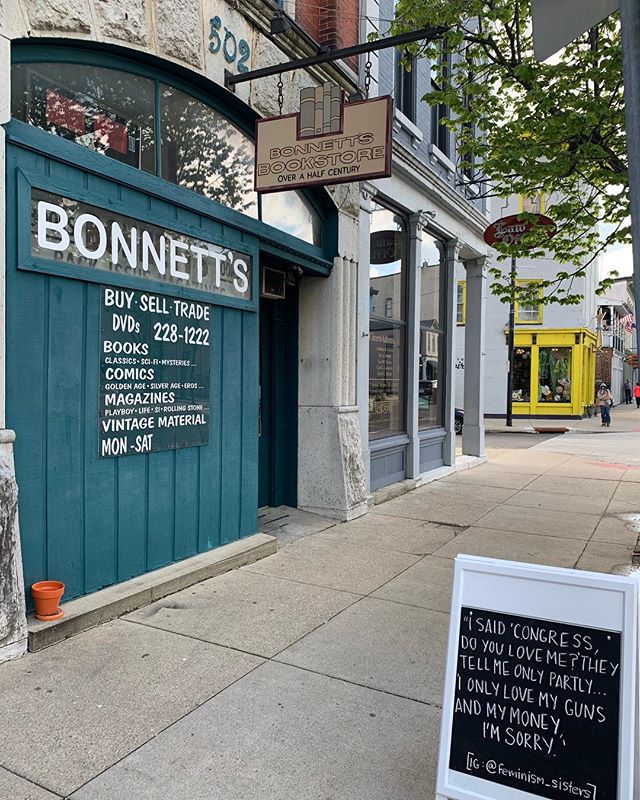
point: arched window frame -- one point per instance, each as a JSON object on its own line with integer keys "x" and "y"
{"x": 207, "y": 92}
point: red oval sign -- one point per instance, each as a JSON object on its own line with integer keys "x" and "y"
{"x": 510, "y": 230}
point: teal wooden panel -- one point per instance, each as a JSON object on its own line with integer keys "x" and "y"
{"x": 27, "y": 317}
{"x": 91, "y": 521}
{"x": 100, "y": 554}
{"x": 132, "y": 515}
{"x": 160, "y": 506}
{"x": 211, "y": 457}
{"x": 186, "y": 505}
{"x": 65, "y": 434}
{"x": 250, "y": 461}
{"x": 231, "y": 423}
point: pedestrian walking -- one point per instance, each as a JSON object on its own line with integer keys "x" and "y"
{"x": 636, "y": 394}
{"x": 604, "y": 400}
{"x": 628, "y": 392}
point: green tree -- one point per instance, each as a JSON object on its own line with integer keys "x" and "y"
{"x": 526, "y": 127}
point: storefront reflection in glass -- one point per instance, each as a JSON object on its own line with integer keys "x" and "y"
{"x": 430, "y": 363}
{"x": 387, "y": 323}
{"x": 521, "y": 387}
{"x": 554, "y": 375}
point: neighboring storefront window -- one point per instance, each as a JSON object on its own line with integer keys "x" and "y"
{"x": 461, "y": 303}
{"x": 430, "y": 364}
{"x": 387, "y": 323}
{"x": 114, "y": 113}
{"x": 521, "y": 387}
{"x": 554, "y": 375}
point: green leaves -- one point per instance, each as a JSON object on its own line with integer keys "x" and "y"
{"x": 556, "y": 128}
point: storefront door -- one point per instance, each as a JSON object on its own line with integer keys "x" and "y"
{"x": 278, "y": 419}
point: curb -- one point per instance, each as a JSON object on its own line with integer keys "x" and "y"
{"x": 114, "y": 601}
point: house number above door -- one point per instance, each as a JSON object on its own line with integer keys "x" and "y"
{"x": 222, "y": 39}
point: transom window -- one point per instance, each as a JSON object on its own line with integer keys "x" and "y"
{"x": 158, "y": 129}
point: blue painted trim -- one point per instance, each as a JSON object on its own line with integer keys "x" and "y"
{"x": 308, "y": 256}
{"x": 27, "y": 181}
{"x": 111, "y": 56}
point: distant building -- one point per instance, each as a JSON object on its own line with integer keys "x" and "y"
{"x": 616, "y": 336}
{"x": 555, "y": 345}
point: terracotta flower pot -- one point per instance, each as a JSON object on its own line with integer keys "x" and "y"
{"x": 46, "y": 596}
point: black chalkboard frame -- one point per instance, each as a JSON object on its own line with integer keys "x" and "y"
{"x": 570, "y": 597}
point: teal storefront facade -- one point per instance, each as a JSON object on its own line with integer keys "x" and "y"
{"x": 93, "y": 517}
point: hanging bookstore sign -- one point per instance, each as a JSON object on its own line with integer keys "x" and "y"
{"x": 328, "y": 141}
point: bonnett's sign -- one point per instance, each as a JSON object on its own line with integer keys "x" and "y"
{"x": 328, "y": 141}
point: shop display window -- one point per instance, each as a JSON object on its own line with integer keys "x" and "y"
{"x": 387, "y": 323}
{"x": 521, "y": 377}
{"x": 554, "y": 375}
{"x": 432, "y": 346}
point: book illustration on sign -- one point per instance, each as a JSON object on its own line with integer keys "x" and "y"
{"x": 540, "y": 698}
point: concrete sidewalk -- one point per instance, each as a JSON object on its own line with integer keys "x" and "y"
{"x": 624, "y": 419}
{"x": 315, "y": 673}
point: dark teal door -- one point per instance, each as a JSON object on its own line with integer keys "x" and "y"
{"x": 278, "y": 400}
{"x": 91, "y": 521}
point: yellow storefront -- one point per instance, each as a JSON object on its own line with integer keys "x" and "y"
{"x": 553, "y": 372}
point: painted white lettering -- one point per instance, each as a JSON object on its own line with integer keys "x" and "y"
{"x": 158, "y": 256}
{"x": 45, "y": 224}
{"x": 78, "y": 234}
{"x": 176, "y": 258}
{"x": 240, "y": 282}
{"x": 219, "y": 258}
{"x": 200, "y": 252}
{"x": 129, "y": 248}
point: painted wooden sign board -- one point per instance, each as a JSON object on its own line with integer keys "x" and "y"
{"x": 541, "y": 684}
{"x": 154, "y": 372}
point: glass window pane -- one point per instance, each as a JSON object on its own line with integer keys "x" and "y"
{"x": 386, "y": 378}
{"x": 105, "y": 110}
{"x": 388, "y": 251}
{"x": 291, "y": 213}
{"x": 521, "y": 386}
{"x": 204, "y": 152}
{"x": 387, "y": 335}
{"x": 460, "y": 303}
{"x": 430, "y": 363}
{"x": 554, "y": 375}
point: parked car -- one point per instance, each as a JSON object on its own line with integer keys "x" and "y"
{"x": 459, "y": 420}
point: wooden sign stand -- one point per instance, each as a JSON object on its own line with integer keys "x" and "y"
{"x": 541, "y": 687}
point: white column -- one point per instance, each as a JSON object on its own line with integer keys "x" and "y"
{"x": 417, "y": 223}
{"x": 473, "y": 430}
{"x": 367, "y": 193}
{"x": 331, "y": 472}
{"x": 451, "y": 253}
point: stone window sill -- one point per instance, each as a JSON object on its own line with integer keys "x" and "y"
{"x": 402, "y": 122}
{"x": 438, "y": 157}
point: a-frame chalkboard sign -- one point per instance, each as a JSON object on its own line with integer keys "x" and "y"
{"x": 541, "y": 685}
